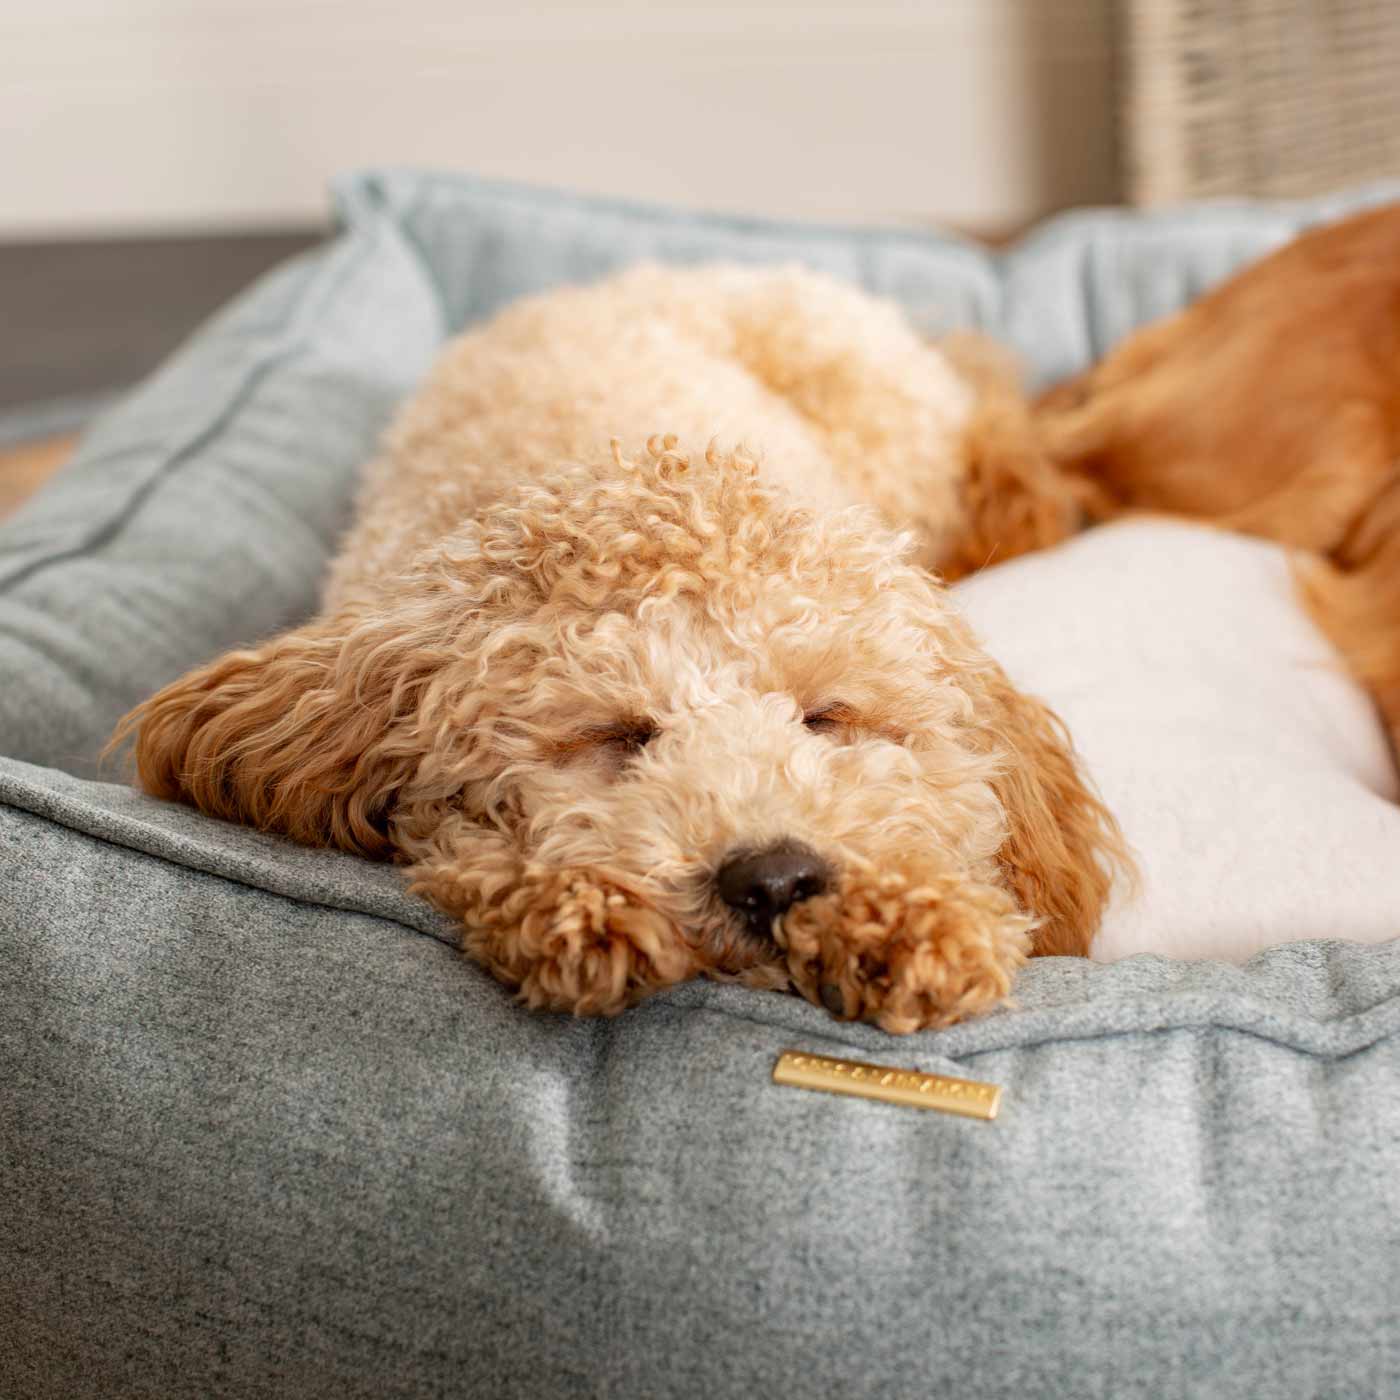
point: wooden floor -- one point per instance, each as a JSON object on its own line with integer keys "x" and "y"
{"x": 24, "y": 469}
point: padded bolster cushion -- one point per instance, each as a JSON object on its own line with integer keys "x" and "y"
{"x": 264, "y": 1132}
{"x": 199, "y": 515}
{"x": 1249, "y": 772}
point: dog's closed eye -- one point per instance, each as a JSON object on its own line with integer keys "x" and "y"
{"x": 616, "y": 741}
{"x": 846, "y": 725}
{"x": 832, "y": 718}
{"x": 626, "y": 737}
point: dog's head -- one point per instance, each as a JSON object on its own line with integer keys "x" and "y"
{"x": 651, "y": 720}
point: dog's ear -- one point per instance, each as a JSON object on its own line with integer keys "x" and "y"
{"x": 1355, "y": 598}
{"x": 294, "y": 736}
{"x": 1063, "y": 846}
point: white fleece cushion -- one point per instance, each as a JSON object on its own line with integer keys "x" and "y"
{"x": 1250, "y": 774}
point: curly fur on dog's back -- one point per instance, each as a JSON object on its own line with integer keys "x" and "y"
{"x": 639, "y": 707}
{"x": 845, "y": 403}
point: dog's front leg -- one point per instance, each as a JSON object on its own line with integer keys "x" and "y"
{"x": 904, "y": 952}
{"x": 578, "y": 939}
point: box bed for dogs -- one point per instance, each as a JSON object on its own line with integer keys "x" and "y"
{"x": 264, "y": 1132}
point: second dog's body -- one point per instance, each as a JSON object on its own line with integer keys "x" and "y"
{"x": 1271, "y": 406}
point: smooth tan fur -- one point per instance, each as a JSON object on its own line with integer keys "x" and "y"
{"x": 1271, "y": 406}
{"x": 582, "y": 645}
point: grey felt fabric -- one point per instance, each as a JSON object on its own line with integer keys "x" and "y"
{"x": 199, "y": 514}
{"x": 264, "y": 1133}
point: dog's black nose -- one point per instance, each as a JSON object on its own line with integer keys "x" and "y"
{"x": 763, "y": 884}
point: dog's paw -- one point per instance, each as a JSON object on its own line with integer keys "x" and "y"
{"x": 906, "y": 954}
{"x": 574, "y": 940}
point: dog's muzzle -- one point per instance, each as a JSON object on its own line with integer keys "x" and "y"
{"x": 760, "y": 885}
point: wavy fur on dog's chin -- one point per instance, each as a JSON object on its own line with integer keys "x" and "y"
{"x": 561, "y": 696}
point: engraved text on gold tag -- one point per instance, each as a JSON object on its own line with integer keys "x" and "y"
{"x": 910, "y": 1087}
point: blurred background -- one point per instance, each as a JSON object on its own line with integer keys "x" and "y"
{"x": 158, "y": 154}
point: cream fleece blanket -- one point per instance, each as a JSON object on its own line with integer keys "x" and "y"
{"x": 1249, "y": 772}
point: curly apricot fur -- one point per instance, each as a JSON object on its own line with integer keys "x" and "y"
{"x": 571, "y": 646}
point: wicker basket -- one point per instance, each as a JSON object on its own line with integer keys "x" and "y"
{"x": 1259, "y": 97}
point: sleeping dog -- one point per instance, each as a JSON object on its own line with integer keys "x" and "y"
{"x": 638, "y": 660}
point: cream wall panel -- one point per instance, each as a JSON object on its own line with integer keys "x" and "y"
{"x": 179, "y": 114}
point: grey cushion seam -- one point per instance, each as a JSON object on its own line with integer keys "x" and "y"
{"x": 321, "y": 289}
{"x": 1146, "y": 1017}
{"x": 52, "y": 808}
{"x": 110, "y": 526}
{"x": 174, "y": 859}
{"x": 1003, "y": 1031}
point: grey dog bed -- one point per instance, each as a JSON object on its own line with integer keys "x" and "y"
{"x": 263, "y": 1132}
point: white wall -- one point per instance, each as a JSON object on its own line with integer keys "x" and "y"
{"x": 135, "y": 115}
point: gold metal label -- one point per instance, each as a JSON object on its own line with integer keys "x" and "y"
{"x": 910, "y": 1087}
